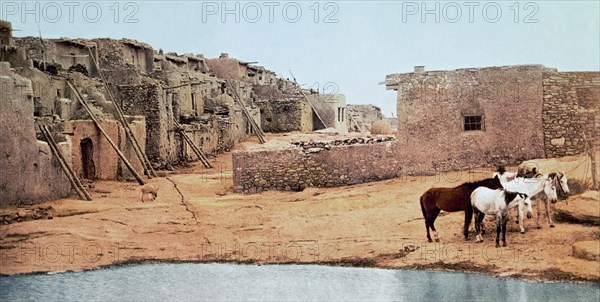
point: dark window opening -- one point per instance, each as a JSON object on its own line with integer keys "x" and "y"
{"x": 340, "y": 116}
{"x": 473, "y": 122}
{"x": 37, "y": 106}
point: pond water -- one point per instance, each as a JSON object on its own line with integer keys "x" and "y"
{"x": 229, "y": 282}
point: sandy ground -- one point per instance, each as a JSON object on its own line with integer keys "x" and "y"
{"x": 197, "y": 218}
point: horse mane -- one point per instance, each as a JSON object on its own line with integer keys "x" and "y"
{"x": 529, "y": 174}
{"x": 509, "y": 196}
{"x": 501, "y": 170}
{"x": 492, "y": 183}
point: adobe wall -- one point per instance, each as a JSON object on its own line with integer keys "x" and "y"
{"x": 163, "y": 147}
{"x": 361, "y": 117}
{"x": 571, "y": 107}
{"x": 226, "y": 68}
{"x": 8, "y": 51}
{"x": 331, "y": 109}
{"x": 29, "y": 172}
{"x": 107, "y": 163}
{"x": 49, "y": 94}
{"x": 117, "y": 54}
{"x": 296, "y": 168}
{"x": 285, "y": 116}
{"x": 64, "y": 54}
{"x": 430, "y": 111}
{"x": 6, "y": 37}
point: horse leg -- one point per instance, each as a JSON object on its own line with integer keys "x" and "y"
{"x": 504, "y": 220}
{"x": 478, "y": 226}
{"x": 549, "y": 212}
{"x": 468, "y": 218}
{"x": 521, "y": 215}
{"x": 539, "y": 213}
{"x": 434, "y": 215}
{"x": 498, "y": 229}
{"x": 426, "y": 219}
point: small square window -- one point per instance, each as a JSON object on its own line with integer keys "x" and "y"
{"x": 473, "y": 122}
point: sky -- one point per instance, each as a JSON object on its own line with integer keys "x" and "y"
{"x": 337, "y": 46}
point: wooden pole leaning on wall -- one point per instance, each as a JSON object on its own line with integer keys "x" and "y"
{"x": 257, "y": 130}
{"x": 139, "y": 152}
{"x": 193, "y": 146}
{"x": 73, "y": 179}
{"x": 95, "y": 120}
{"x": 309, "y": 102}
{"x": 591, "y": 151}
{"x": 314, "y": 109}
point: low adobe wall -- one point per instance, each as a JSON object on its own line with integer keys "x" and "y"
{"x": 295, "y": 168}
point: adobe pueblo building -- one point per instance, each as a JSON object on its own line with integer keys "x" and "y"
{"x": 457, "y": 119}
{"x": 119, "y": 109}
{"x": 446, "y": 120}
{"x": 77, "y": 110}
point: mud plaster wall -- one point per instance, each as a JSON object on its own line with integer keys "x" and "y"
{"x": 571, "y": 107}
{"x": 218, "y": 135}
{"x": 28, "y": 171}
{"x": 50, "y": 93}
{"x": 57, "y": 51}
{"x": 285, "y": 116}
{"x": 331, "y": 109}
{"x": 107, "y": 163}
{"x": 10, "y": 53}
{"x": 226, "y": 68}
{"x": 117, "y": 54}
{"x": 296, "y": 169}
{"x": 163, "y": 145}
{"x": 361, "y": 117}
{"x": 430, "y": 113}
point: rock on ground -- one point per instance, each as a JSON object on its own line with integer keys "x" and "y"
{"x": 588, "y": 250}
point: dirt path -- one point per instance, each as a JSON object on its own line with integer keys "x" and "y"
{"x": 197, "y": 218}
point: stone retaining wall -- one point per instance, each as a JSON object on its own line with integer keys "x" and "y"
{"x": 296, "y": 168}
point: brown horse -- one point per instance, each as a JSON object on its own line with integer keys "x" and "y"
{"x": 452, "y": 200}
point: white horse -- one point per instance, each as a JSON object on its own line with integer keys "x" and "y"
{"x": 503, "y": 175}
{"x": 560, "y": 181}
{"x": 497, "y": 203}
{"x": 544, "y": 186}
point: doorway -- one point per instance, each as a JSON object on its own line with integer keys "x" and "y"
{"x": 87, "y": 159}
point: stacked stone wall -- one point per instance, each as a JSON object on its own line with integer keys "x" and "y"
{"x": 296, "y": 168}
{"x": 571, "y": 108}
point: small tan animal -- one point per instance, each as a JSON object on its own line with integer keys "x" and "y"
{"x": 149, "y": 190}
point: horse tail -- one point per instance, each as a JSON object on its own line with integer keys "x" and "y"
{"x": 423, "y": 207}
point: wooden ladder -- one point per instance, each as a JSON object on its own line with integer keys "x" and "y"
{"x": 195, "y": 148}
{"x": 256, "y": 129}
{"x": 97, "y": 123}
{"x": 73, "y": 179}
